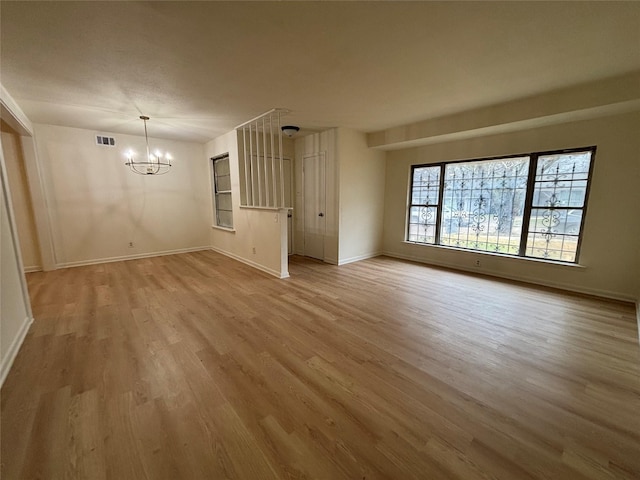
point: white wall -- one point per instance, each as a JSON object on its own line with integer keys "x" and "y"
{"x": 97, "y": 205}
{"x": 362, "y": 185}
{"x": 15, "y": 308}
{"x": 310, "y": 144}
{"x": 258, "y": 237}
{"x": 21, "y": 199}
{"x": 610, "y": 253}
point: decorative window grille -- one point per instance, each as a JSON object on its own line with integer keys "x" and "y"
{"x": 559, "y": 201}
{"x": 425, "y": 198}
{"x": 484, "y": 203}
{"x": 527, "y": 205}
{"x": 262, "y": 161}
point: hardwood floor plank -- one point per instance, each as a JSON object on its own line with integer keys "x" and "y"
{"x": 195, "y": 366}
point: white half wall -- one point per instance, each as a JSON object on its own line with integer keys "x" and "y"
{"x": 97, "y": 207}
{"x": 258, "y": 237}
{"x": 610, "y": 251}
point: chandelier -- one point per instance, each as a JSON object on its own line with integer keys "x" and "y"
{"x": 156, "y": 163}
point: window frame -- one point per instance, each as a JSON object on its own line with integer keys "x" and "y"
{"x": 528, "y": 202}
{"x": 217, "y": 192}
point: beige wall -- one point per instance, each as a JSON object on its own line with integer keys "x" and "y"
{"x": 362, "y": 183}
{"x": 610, "y": 255}
{"x": 21, "y": 199}
{"x": 97, "y": 206}
{"x": 258, "y": 237}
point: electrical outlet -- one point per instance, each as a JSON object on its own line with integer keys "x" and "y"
{"x": 478, "y": 263}
{"x": 130, "y": 244}
{"x": 254, "y": 250}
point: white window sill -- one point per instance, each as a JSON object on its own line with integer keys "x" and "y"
{"x": 498, "y": 255}
{"x": 270, "y": 209}
{"x": 226, "y": 229}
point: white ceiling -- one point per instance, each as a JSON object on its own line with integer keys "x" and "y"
{"x": 198, "y": 69}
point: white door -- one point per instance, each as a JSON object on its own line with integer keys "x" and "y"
{"x": 313, "y": 172}
{"x": 288, "y": 186}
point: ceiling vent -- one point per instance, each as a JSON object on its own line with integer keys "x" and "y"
{"x": 106, "y": 141}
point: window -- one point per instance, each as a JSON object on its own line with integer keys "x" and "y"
{"x": 222, "y": 191}
{"x": 528, "y": 205}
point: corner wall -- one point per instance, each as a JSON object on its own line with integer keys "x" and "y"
{"x": 15, "y": 307}
{"x": 610, "y": 256}
{"x": 362, "y": 185}
{"x": 97, "y": 206}
{"x": 21, "y": 199}
{"x": 15, "y": 315}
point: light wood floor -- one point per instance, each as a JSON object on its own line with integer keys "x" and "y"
{"x": 195, "y": 366}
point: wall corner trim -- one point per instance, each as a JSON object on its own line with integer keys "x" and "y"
{"x": 255, "y": 265}
{"x": 12, "y": 353}
{"x": 357, "y": 258}
{"x": 15, "y": 117}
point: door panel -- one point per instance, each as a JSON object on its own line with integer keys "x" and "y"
{"x": 288, "y": 202}
{"x": 314, "y": 205}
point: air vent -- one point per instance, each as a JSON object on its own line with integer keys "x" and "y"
{"x": 106, "y": 141}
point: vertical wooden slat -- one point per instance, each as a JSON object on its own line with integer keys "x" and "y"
{"x": 253, "y": 174}
{"x": 273, "y": 164}
{"x": 264, "y": 162}
{"x": 281, "y": 162}
{"x": 247, "y": 168}
{"x": 259, "y": 202}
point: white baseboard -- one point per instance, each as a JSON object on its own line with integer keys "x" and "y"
{"x": 11, "y": 354}
{"x": 331, "y": 261}
{"x": 268, "y": 270}
{"x": 130, "y": 257}
{"x": 562, "y": 286}
{"x": 358, "y": 258}
{"x": 32, "y": 269}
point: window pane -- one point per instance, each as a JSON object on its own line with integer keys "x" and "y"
{"x": 225, "y": 219}
{"x": 425, "y": 189}
{"x": 222, "y": 166}
{"x": 422, "y": 224}
{"x": 426, "y": 186}
{"x": 561, "y": 180}
{"x": 223, "y": 201}
{"x": 483, "y": 204}
{"x": 555, "y": 221}
{"x": 559, "y": 196}
{"x": 565, "y": 166}
{"x": 552, "y": 246}
{"x": 223, "y": 183}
